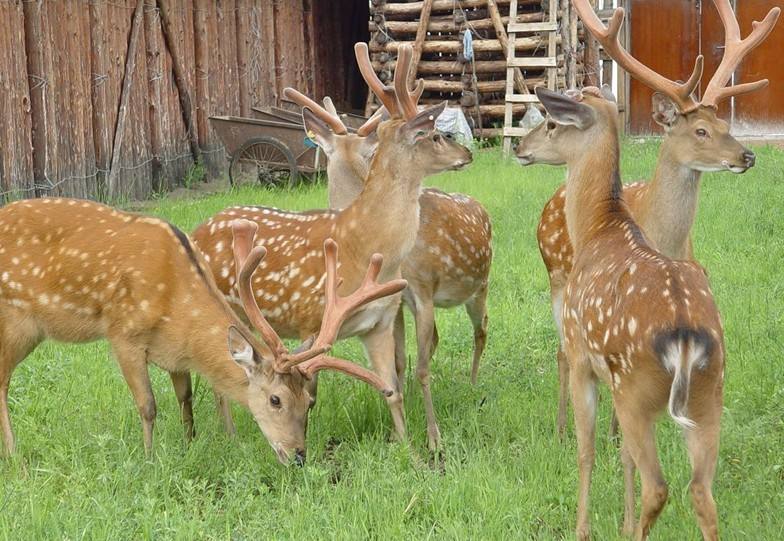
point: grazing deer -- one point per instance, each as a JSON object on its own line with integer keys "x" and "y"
{"x": 141, "y": 284}
{"x": 383, "y": 219}
{"x": 449, "y": 264}
{"x": 644, "y": 324}
{"x": 695, "y": 141}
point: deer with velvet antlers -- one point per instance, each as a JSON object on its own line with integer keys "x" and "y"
{"x": 449, "y": 264}
{"x": 140, "y": 283}
{"x": 695, "y": 140}
{"x": 642, "y": 323}
{"x": 383, "y": 219}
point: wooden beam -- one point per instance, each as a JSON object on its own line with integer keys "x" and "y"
{"x": 412, "y": 8}
{"x": 480, "y": 46}
{"x": 449, "y": 25}
{"x": 441, "y": 67}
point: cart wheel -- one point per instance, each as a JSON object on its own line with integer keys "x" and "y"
{"x": 265, "y": 160}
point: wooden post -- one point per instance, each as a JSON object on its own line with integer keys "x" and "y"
{"x": 572, "y": 71}
{"x": 591, "y": 62}
{"x": 495, "y": 15}
{"x": 424, "y": 20}
{"x": 130, "y": 65}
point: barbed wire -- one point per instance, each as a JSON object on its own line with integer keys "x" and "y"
{"x": 49, "y": 185}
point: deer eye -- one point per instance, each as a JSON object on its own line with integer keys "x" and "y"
{"x": 550, "y": 125}
{"x": 275, "y": 401}
{"x": 701, "y": 132}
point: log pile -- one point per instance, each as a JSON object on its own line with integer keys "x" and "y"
{"x": 436, "y": 30}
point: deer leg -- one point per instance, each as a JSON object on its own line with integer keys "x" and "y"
{"x": 380, "y": 346}
{"x": 563, "y": 391}
{"x": 628, "y": 496}
{"x": 224, "y": 410}
{"x": 425, "y": 323}
{"x": 703, "y": 446}
{"x": 637, "y": 426}
{"x": 400, "y": 344}
{"x": 583, "y": 390}
{"x": 133, "y": 364}
{"x": 613, "y": 432}
{"x": 184, "y": 391}
{"x": 556, "y": 298}
{"x": 13, "y": 349}
{"x": 476, "y": 307}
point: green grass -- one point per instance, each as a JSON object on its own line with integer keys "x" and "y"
{"x": 81, "y": 472}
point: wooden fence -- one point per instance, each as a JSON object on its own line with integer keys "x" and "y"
{"x": 110, "y": 99}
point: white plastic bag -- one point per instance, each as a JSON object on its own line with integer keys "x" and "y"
{"x": 453, "y": 121}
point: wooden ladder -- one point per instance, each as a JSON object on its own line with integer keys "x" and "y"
{"x": 514, "y": 63}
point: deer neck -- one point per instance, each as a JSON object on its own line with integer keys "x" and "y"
{"x": 593, "y": 190}
{"x": 345, "y": 183}
{"x": 206, "y": 351}
{"x": 384, "y": 218}
{"x": 669, "y": 205}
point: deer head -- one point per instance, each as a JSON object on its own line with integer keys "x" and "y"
{"x": 568, "y": 123}
{"x": 349, "y": 152}
{"x": 279, "y": 396}
{"x": 409, "y": 138}
{"x": 697, "y": 138}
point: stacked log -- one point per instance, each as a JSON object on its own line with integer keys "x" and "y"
{"x": 436, "y": 29}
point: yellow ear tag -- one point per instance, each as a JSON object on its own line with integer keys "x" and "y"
{"x": 311, "y": 134}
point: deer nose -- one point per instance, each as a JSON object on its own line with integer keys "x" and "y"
{"x": 299, "y": 457}
{"x": 749, "y": 158}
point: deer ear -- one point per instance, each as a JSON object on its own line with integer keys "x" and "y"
{"x": 425, "y": 120}
{"x": 317, "y": 129}
{"x": 242, "y": 352}
{"x": 665, "y": 112}
{"x": 565, "y": 110}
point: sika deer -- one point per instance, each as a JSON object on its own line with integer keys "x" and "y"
{"x": 383, "y": 219}
{"x": 449, "y": 264}
{"x": 695, "y": 140}
{"x": 141, "y": 284}
{"x": 642, "y": 323}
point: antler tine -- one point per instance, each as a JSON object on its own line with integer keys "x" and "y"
{"x": 332, "y": 120}
{"x": 372, "y": 123}
{"x": 735, "y": 49}
{"x": 680, "y": 93}
{"x": 384, "y": 93}
{"x": 330, "y": 106}
{"x": 404, "y": 98}
{"x": 246, "y": 260}
{"x": 337, "y": 309}
{"x": 325, "y": 362}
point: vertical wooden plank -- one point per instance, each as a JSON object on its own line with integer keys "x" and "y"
{"x": 243, "y": 24}
{"x": 761, "y": 112}
{"x": 289, "y": 47}
{"x": 510, "y": 71}
{"x": 656, "y": 49}
{"x": 202, "y": 60}
{"x": 57, "y": 38}
{"x": 100, "y": 62}
{"x": 115, "y": 190}
{"x": 16, "y": 158}
{"x": 174, "y": 57}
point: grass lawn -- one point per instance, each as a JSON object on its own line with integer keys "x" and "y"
{"x": 81, "y": 472}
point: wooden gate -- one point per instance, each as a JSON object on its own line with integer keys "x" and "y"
{"x": 668, "y": 35}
